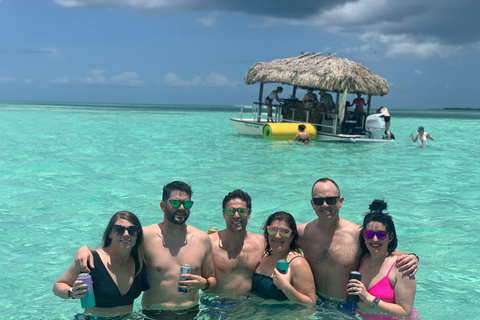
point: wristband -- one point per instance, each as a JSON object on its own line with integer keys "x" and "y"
{"x": 418, "y": 259}
{"x": 207, "y": 285}
{"x": 375, "y": 302}
{"x": 70, "y": 293}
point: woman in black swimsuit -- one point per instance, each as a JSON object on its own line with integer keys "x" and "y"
{"x": 302, "y": 136}
{"x": 297, "y": 285}
{"x": 119, "y": 275}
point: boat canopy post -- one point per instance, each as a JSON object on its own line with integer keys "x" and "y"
{"x": 369, "y": 102}
{"x": 260, "y": 104}
{"x": 294, "y": 93}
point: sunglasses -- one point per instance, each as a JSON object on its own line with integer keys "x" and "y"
{"x": 187, "y": 204}
{"x": 120, "y": 230}
{"x": 328, "y": 200}
{"x": 381, "y": 235}
{"x": 284, "y": 232}
{"x": 231, "y": 211}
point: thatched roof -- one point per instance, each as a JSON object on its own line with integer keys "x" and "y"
{"x": 324, "y": 73}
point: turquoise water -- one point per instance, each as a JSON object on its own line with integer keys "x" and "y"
{"x": 66, "y": 169}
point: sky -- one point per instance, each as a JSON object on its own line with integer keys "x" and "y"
{"x": 198, "y": 51}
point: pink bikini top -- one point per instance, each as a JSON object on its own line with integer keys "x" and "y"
{"x": 383, "y": 289}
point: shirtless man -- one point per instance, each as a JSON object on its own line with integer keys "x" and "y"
{"x": 236, "y": 252}
{"x": 168, "y": 245}
{"x": 331, "y": 244}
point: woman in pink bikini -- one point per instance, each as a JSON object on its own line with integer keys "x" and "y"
{"x": 384, "y": 291}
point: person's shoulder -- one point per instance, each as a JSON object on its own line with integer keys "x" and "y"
{"x": 348, "y": 225}
{"x": 153, "y": 228}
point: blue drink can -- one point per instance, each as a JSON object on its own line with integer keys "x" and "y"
{"x": 184, "y": 269}
{"x": 282, "y": 266}
{"x": 88, "y": 301}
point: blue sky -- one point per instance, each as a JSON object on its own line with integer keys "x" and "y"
{"x": 198, "y": 51}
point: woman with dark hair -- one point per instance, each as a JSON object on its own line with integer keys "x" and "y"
{"x": 119, "y": 276}
{"x": 302, "y": 136}
{"x": 269, "y": 100}
{"x": 383, "y": 288}
{"x": 297, "y": 284}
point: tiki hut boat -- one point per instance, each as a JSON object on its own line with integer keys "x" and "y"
{"x": 328, "y": 73}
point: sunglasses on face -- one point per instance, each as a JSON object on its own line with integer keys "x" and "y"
{"x": 187, "y": 204}
{"x": 381, "y": 235}
{"x": 120, "y": 230}
{"x": 231, "y": 211}
{"x": 328, "y": 200}
{"x": 284, "y": 232}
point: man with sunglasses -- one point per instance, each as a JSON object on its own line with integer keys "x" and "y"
{"x": 168, "y": 245}
{"x": 331, "y": 244}
{"x": 236, "y": 252}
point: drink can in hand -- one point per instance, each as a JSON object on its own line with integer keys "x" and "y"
{"x": 184, "y": 269}
{"x": 87, "y": 301}
{"x": 354, "y": 275}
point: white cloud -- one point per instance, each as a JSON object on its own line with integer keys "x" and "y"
{"x": 28, "y": 80}
{"x": 98, "y": 77}
{"x": 7, "y": 80}
{"x": 207, "y": 21}
{"x": 63, "y": 80}
{"x": 418, "y": 72}
{"x": 212, "y": 80}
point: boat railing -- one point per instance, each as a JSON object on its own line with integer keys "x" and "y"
{"x": 252, "y": 110}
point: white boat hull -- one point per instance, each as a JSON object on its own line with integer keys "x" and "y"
{"x": 249, "y": 127}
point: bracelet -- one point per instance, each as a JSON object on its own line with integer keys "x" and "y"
{"x": 70, "y": 293}
{"x": 418, "y": 259}
{"x": 375, "y": 302}
{"x": 207, "y": 285}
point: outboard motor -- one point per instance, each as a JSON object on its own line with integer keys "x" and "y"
{"x": 375, "y": 126}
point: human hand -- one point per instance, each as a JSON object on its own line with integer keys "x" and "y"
{"x": 407, "y": 264}
{"x": 357, "y": 288}
{"x": 83, "y": 258}
{"x": 192, "y": 282}
{"x": 79, "y": 289}
{"x": 281, "y": 280}
{"x": 411, "y": 135}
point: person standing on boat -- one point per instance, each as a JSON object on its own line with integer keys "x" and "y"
{"x": 331, "y": 245}
{"x": 302, "y": 136}
{"x": 422, "y": 137}
{"x": 326, "y": 101}
{"x": 269, "y": 100}
{"x": 310, "y": 100}
{"x": 386, "y": 116}
{"x": 236, "y": 252}
{"x": 359, "y": 103}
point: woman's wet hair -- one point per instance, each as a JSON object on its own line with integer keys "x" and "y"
{"x": 138, "y": 250}
{"x": 301, "y": 127}
{"x": 279, "y": 88}
{"x": 377, "y": 214}
{"x": 290, "y": 220}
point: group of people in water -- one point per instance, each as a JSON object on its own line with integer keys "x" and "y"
{"x": 235, "y": 262}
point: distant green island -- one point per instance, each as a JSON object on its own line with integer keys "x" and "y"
{"x": 474, "y": 109}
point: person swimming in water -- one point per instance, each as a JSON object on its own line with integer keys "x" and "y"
{"x": 302, "y": 136}
{"x": 422, "y": 137}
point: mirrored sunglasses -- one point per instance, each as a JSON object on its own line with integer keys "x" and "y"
{"x": 284, "y": 232}
{"x": 120, "y": 230}
{"x": 381, "y": 235}
{"x": 328, "y": 200}
{"x": 187, "y": 204}
{"x": 231, "y": 211}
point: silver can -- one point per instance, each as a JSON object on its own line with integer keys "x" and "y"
{"x": 184, "y": 269}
